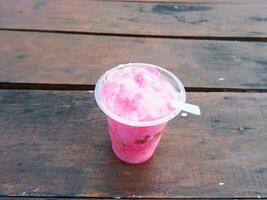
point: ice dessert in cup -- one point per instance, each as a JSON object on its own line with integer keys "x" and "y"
{"x": 137, "y": 99}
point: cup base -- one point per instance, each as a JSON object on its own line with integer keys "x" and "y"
{"x": 132, "y": 160}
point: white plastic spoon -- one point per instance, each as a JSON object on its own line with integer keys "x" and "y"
{"x": 190, "y": 108}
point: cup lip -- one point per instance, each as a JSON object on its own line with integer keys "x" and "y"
{"x": 115, "y": 117}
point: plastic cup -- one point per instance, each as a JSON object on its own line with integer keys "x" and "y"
{"x": 135, "y": 142}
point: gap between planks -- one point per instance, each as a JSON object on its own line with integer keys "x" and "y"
{"x": 136, "y": 35}
{"x": 85, "y": 87}
{"x": 177, "y": 1}
{"x": 81, "y": 197}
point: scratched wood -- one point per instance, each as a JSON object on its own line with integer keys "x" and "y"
{"x": 57, "y": 144}
{"x": 81, "y": 59}
{"x": 233, "y": 19}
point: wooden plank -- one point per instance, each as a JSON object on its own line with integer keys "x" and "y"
{"x": 57, "y": 144}
{"x": 214, "y": 19}
{"x": 48, "y": 198}
{"x": 81, "y": 59}
{"x": 186, "y": 1}
{"x": 40, "y": 198}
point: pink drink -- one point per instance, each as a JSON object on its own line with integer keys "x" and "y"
{"x": 137, "y": 99}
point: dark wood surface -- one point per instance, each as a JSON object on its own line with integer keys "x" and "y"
{"x": 81, "y": 59}
{"x": 49, "y": 198}
{"x": 58, "y": 198}
{"x": 215, "y": 19}
{"x": 57, "y": 144}
{"x": 189, "y": 1}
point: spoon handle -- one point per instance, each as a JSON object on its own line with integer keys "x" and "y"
{"x": 190, "y": 108}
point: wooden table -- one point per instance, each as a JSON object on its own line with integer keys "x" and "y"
{"x": 54, "y": 140}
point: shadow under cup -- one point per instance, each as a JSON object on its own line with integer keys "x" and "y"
{"x": 135, "y": 142}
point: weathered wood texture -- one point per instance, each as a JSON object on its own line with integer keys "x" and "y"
{"x": 238, "y": 19}
{"x": 189, "y": 1}
{"x": 57, "y": 143}
{"x": 80, "y": 59}
{"x": 48, "y": 198}
{"x": 57, "y": 198}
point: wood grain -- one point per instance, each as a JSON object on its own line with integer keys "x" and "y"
{"x": 214, "y": 19}
{"x": 56, "y": 144}
{"x": 81, "y": 59}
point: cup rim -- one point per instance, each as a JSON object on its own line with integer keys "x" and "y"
{"x": 162, "y": 120}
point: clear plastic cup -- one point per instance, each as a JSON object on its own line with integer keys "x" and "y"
{"x": 135, "y": 142}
